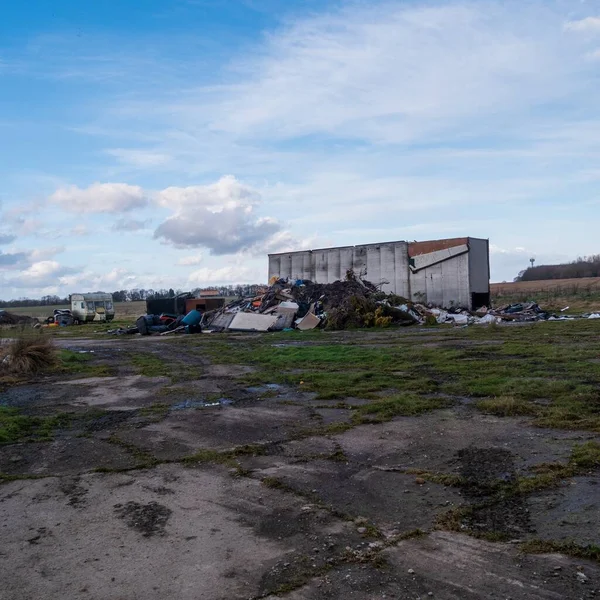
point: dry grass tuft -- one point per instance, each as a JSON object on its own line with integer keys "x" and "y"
{"x": 507, "y": 406}
{"x": 28, "y": 355}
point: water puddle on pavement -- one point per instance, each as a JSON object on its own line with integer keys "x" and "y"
{"x": 202, "y": 403}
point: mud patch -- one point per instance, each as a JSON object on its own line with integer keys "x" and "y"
{"x": 231, "y": 371}
{"x": 70, "y": 456}
{"x": 41, "y": 533}
{"x": 483, "y": 470}
{"x": 149, "y": 519}
{"x": 571, "y": 512}
{"x": 71, "y": 487}
{"x": 118, "y": 393}
{"x": 108, "y": 420}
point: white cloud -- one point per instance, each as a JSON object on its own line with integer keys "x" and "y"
{"x": 224, "y": 275}
{"x": 101, "y": 198}
{"x": 130, "y": 225}
{"x": 394, "y": 72}
{"x": 26, "y": 225}
{"x": 116, "y": 278}
{"x": 594, "y": 55}
{"x": 79, "y": 230}
{"x": 220, "y": 217}
{"x": 12, "y": 260}
{"x": 6, "y": 238}
{"x": 587, "y": 25}
{"x": 285, "y": 241}
{"x": 41, "y": 274}
{"x": 187, "y": 261}
{"x": 140, "y": 157}
{"x": 42, "y": 254}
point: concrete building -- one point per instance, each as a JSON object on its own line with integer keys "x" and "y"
{"x": 450, "y": 272}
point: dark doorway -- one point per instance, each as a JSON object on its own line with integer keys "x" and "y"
{"x": 479, "y": 300}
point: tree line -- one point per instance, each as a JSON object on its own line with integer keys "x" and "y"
{"x": 583, "y": 266}
{"x": 137, "y": 295}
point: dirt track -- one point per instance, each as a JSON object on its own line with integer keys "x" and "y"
{"x": 115, "y": 507}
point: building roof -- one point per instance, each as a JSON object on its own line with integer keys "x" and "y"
{"x": 418, "y": 248}
{"x": 414, "y": 248}
{"x": 209, "y": 293}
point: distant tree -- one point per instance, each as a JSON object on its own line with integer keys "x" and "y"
{"x": 586, "y": 266}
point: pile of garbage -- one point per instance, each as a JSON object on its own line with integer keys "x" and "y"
{"x": 305, "y": 305}
{"x": 522, "y": 312}
{"x": 163, "y": 324}
{"x": 352, "y": 303}
{"x": 7, "y": 318}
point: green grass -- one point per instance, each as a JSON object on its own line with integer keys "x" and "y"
{"x": 16, "y": 427}
{"x": 446, "y": 479}
{"x": 404, "y": 405}
{"x": 157, "y": 409}
{"x": 583, "y": 458}
{"x": 77, "y": 363}
{"x": 507, "y": 406}
{"x": 569, "y": 548}
{"x": 150, "y": 365}
{"x": 547, "y": 371}
{"x": 586, "y": 456}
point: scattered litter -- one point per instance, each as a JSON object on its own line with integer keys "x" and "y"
{"x": 247, "y": 321}
{"x": 308, "y": 321}
{"x": 488, "y": 319}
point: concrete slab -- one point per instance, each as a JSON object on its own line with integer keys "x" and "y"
{"x": 569, "y": 512}
{"x": 115, "y": 393}
{"x": 63, "y": 456}
{"x": 183, "y": 432}
{"x": 170, "y": 532}
{"x": 447, "y": 566}
{"x": 433, "y": 440}
{"x": 395, "y": 501}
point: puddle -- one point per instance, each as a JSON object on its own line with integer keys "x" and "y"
{"x": 259, "y": 389}
{"x": 202, "y": 403}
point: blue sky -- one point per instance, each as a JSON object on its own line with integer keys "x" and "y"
{"x": 175, "y": 143}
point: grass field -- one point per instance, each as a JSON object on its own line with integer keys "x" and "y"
{"x": 123, "y": 310}
{"x": 581, "y": 295}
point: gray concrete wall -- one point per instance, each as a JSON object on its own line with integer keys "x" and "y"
{"x": 479, "y": 266}
{"x": 445, "y": 277}
{"x": 444, "y": 283}
{"x": 376, "y": 262}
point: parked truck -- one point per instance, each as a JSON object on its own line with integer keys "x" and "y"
{"x": 92, "y": 307}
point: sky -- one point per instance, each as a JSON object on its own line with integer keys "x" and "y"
{"x": 175, "y": 143}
